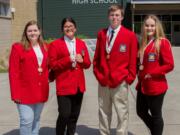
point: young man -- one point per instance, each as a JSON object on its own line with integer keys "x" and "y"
{"x": 114, "y": 66}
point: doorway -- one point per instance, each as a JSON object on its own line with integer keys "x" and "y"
{"x": 176, "y": 33}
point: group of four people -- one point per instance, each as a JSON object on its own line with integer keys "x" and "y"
{"x": 117, "y": 61}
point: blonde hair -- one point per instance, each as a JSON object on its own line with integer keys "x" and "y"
{"x": 159, "y": 33}
{"x": 115, "y": 7}
{"x": 25, "y": 41}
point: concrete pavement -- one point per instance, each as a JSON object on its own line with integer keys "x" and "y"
{"x": 88, "y": 120}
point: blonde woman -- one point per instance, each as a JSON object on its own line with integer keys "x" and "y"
{"x": 28, "y": 76}
{"x": 155, "y": 60}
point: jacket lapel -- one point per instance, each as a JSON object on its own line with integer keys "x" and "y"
{"x": 64, "y": 46}
{"x": 105, "y": 37}
{"x": 34, "y": 58}
{"x": 44, "y": 62}
{"x": 35, "y": 61}
{"x": 117, "y": 40}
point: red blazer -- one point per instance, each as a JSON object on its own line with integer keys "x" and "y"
{"x": 68, "y": 79}
{"x": 122, "y": 62}
{"x": 26, "y": 84}
{"x": 157, "y": 66}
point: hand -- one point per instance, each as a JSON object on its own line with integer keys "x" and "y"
{"x": 17, "y": 101}
{"x": 79, "y": 58}
{"x": 147, "y": 76}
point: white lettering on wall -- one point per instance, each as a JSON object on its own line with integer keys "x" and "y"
{"x": 94, "y": 1}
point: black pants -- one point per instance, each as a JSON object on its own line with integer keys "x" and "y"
{"x": 149, "y": 109}
{"x": 69, "y": 109}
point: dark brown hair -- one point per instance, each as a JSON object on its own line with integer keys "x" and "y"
{"x": 67, "y": 19}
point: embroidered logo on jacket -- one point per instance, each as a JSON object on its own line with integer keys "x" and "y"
{"x": 151, "y": 57}
{"x": 122, "y": 48}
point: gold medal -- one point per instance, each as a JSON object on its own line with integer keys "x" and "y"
{"x": 73, "y": 64}
{"x": 107, "y": 56}
{"x": 141, "y": 67}
{"x": 40, "y": 70}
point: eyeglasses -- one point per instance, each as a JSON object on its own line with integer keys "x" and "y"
{"x": 70, "y": 26}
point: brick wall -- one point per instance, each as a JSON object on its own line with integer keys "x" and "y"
{"x": 11, "y": 28}
{"x": 25, "y": 10}
{"x": 5, "y": 34}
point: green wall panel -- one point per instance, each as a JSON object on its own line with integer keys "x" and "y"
{"x": 89, "y": 17}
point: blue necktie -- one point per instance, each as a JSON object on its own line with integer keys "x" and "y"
{"x": 112, "y": 34}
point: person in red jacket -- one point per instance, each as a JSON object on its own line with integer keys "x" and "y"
{"x": 68, "y": 57}
{"x": 155, "y": 60}
{"x": 114, "y": 66}
{"x": 28, "y": 76}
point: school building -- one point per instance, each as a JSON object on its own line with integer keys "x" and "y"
{"x": 167, "y": 10}
{"x": 5, "y": 24}
{"x": 90, "y": 15}
{"x": 13, "y": 16}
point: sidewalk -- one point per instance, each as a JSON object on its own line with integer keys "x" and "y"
{"x": 88, "y": 120}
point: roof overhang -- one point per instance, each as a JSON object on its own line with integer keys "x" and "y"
{"x": 155, "y": 1}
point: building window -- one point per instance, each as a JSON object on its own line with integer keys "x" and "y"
{"x": 137, "y": 18}
{"x": 4, "y": 9}
{"x": 176, "y": 18}
{"x": 137, "y": 27}
{"x": 177, "y": 28}
{"x": 166, "y": 18}
{"x": 137, "y": 23}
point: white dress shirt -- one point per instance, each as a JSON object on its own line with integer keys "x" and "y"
{"x": 39, "y": 54}
{"x": 71, "y": 45}
{"x": 109, "y": 32}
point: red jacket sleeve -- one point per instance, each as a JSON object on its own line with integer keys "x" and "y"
{"x": 55, "y": 62}
{"x": 14, "y": 72}
{"x": 86, "y": 59}
{"x": 132, "y": 60}
{"x": 165, "y": 58}
{"x": 96, "y": 60}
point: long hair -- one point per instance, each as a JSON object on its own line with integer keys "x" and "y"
{"x": 159, "y": 34}
{"x": 25, "y": 41}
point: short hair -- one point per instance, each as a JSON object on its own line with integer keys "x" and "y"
{"x": 115, "y": 7}
{"x": 67, "y": 19}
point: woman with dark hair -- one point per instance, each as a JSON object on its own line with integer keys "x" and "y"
{"x": 28, "y": 76}
{"x": 68, "y": 57}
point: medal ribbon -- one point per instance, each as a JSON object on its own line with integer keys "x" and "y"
{"x": 73, "y": 52}
{"x": 39, "y": 57}
{"x": 109, "y": 44}
{"x": 142, "y": 55}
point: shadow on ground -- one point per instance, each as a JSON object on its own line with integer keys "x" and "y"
{"x": 43, "y": 131}
{"x": 84, "y": 130}
{"x": 81, "y": 130}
